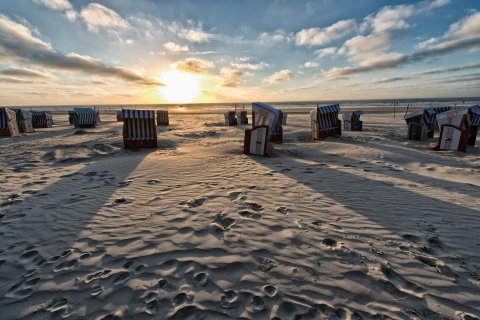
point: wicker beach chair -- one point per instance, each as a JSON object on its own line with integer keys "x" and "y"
{"x": 351, "y": 121}
{"x": 266, "y": 115}
{"x": 139, "y": 129}
{"x": 84, "y": 118}
{"x": 24, "y": 120}
{"x": 162, "y": 118}
{"x": 475, "y": 122}
{"x": 8, "y": 123}
{"x": 324, "y": 122}
{"x": 42, "y": 119}
{"x": 230, "y": 119}
{"x": 257, "y": 143}
{"x": 242, "y": 117}
{"x": 454, "y": 130}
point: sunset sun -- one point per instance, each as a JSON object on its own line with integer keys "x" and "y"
{"x": 179, "y": 87}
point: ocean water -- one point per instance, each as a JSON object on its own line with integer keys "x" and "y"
{"x": 401, "y": 104}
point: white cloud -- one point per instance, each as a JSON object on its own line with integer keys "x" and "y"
{"x": 391, "y": 18}
{"x": 71, "y": 15}
{"x": 97, "y": 16}
{"x": 232, "y": 77}
{"x": 467, "y": 27}
{"x": 427, "y": 43}
{"x": 277, "y": 36}
{"x": 365, "y": 47}
{"x": 174, "y": 47}
{"x": 317, "y": 36}
{"x": 326, "y": 52}
{"x": 310, "y": 64}
{"x": 190, "y": 33}
{"x": 193, "y": 65}
{"x": 250, "y": 66}
{"x": 282, "y": 75}
{"x": 56, "y": 4}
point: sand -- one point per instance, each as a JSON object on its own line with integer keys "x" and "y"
{"x": 366, "y": 226}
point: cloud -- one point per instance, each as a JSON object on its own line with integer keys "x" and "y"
{"x": 250, "y": 66}
{"x": 365, "y": 47}
{"x": 326, "y": 52}
{"x": 232, "y": 77}
{"x": 391, "y": 18}
{"x": 13, "y": 80}
{"x": 446, "y": 47}
{"x": 466, "y": 28}
{"x": 193, "y": 65}
{"x": 277, "y": 36}
{"x": 97, "y": 16}
{"x": 282, "y": 75}
{"x": 26, "y": 73}
{"x": 18, "y": 44}
{"x": 310, "y": 64}
{"x": 190, "y": 33}
{"x": 55, "y": 4}
{"x": 317, "y": 36}
{"x": 99, "y": 81}
{"x": 173, "y": 47}
{"x": 388, "y": 80}
{"x": 445, "y": 70}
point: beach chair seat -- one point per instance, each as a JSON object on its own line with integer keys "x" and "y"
{"x": 352, "y": 122}
{"x": 162, "y": 118}
{"x": 475, "y": 122}
{"x": 454, "y": 130}
{"x": 242, "y": 117}
{"x": 8, "y": 123}
{"x": 230, "y": 119}
{"x": 324, "y": 122}
{"x": 256, "y": 142}
{"x": 120, "y": 115}
{"x": 139, "y": 129}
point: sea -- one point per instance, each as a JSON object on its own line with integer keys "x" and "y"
{"x": 292, "y": 106}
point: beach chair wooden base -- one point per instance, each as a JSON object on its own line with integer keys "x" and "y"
{"x": 139, "y": 144}
{"x": 417, "y": 132}
{"x": 277, "y": 137}
{"x": 5, "y": 133}
{"x": 322, "y": 134}
{"x": 452, "y": 138}
{"x": 256, "y": 142}
{"x": 349, "y": 126}
{"x": 162, "y": 118}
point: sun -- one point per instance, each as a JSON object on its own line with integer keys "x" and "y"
{"x": 180, "y": 87}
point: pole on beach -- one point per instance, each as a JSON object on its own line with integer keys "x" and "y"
{"x": 393, "y": 109}
{"x": 406, "y": 110}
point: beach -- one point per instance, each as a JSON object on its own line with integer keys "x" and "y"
{"x": 368, "y": 225}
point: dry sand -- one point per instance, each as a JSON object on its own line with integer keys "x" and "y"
{"x": 365, "y": 226}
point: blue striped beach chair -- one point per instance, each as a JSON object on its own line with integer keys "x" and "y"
{"x": 324, "y": 122}
{"x": 8, "y": 123}
{"x": 351, "y": 121}
{"x": 266, "y": 115}
{"x": 417, "y": 124}
{"x": 162, "y": 118}
{"x": 42, "y": 119}
{"x": 84, "y": 118}
{"x": 454, "y": 129}
{"x": 139, "y": 129}
{"x": 24, "y": 120}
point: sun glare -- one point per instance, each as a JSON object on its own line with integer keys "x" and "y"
{"x": 179, "y": 87}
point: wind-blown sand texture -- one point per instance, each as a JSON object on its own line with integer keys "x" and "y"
{"x": 365, "y": 226}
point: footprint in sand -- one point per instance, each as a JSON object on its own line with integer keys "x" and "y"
{"x": 254, "y": 206}
{"x": 124, "y": 183}
{"x": 66, "y": 265}
{"x": 257, "y": 303}
{"x": 250, "y": 215}
{"x": 139, "y": 269}
{"x": 153, "y": 181}
{"x": 100, "y": 274}
{"x": 283, "y": 210}
{"x": 152, "y": 307}
{"x": 193, "y": 203}
{"x": 121, "y": 278}
{"x": 228, "y": 299}
{"x": 57, "y": 305}
{"x": 162, "y": 284}
{"x": 270, "y": 290}
{"x": 222, "y": 222}
{"x": 201, "y": 279}
{"x": 180, "y": 299}
{"x": 403, "y": 284}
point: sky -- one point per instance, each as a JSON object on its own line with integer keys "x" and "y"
{"x": 105, "y": 52}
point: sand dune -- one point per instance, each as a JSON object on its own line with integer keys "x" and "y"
{"x": 366, "y": 226}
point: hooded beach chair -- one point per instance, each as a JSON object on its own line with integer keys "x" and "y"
{"x": 120, "y": 115}
{"x": 42, "y": 119}
{"x": 324, "y": 122}
{"x": 266, "y": 115}
{"x": 162, "y": 118}
{"x": 242, "y": 117}
{"x": 8, "y": 123}
{"x": 351, "y": 121}
{"x": 454, "y": 130}
{"x": 266, "y": 127}
{"x": 230, "y": 119}
{"x": 71, "y": 116}
{"x": 139, "y": 129}
{"x": 417, "y": 125}
{"x": 84, "y": 118}
{"x": 24, "y": 120}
